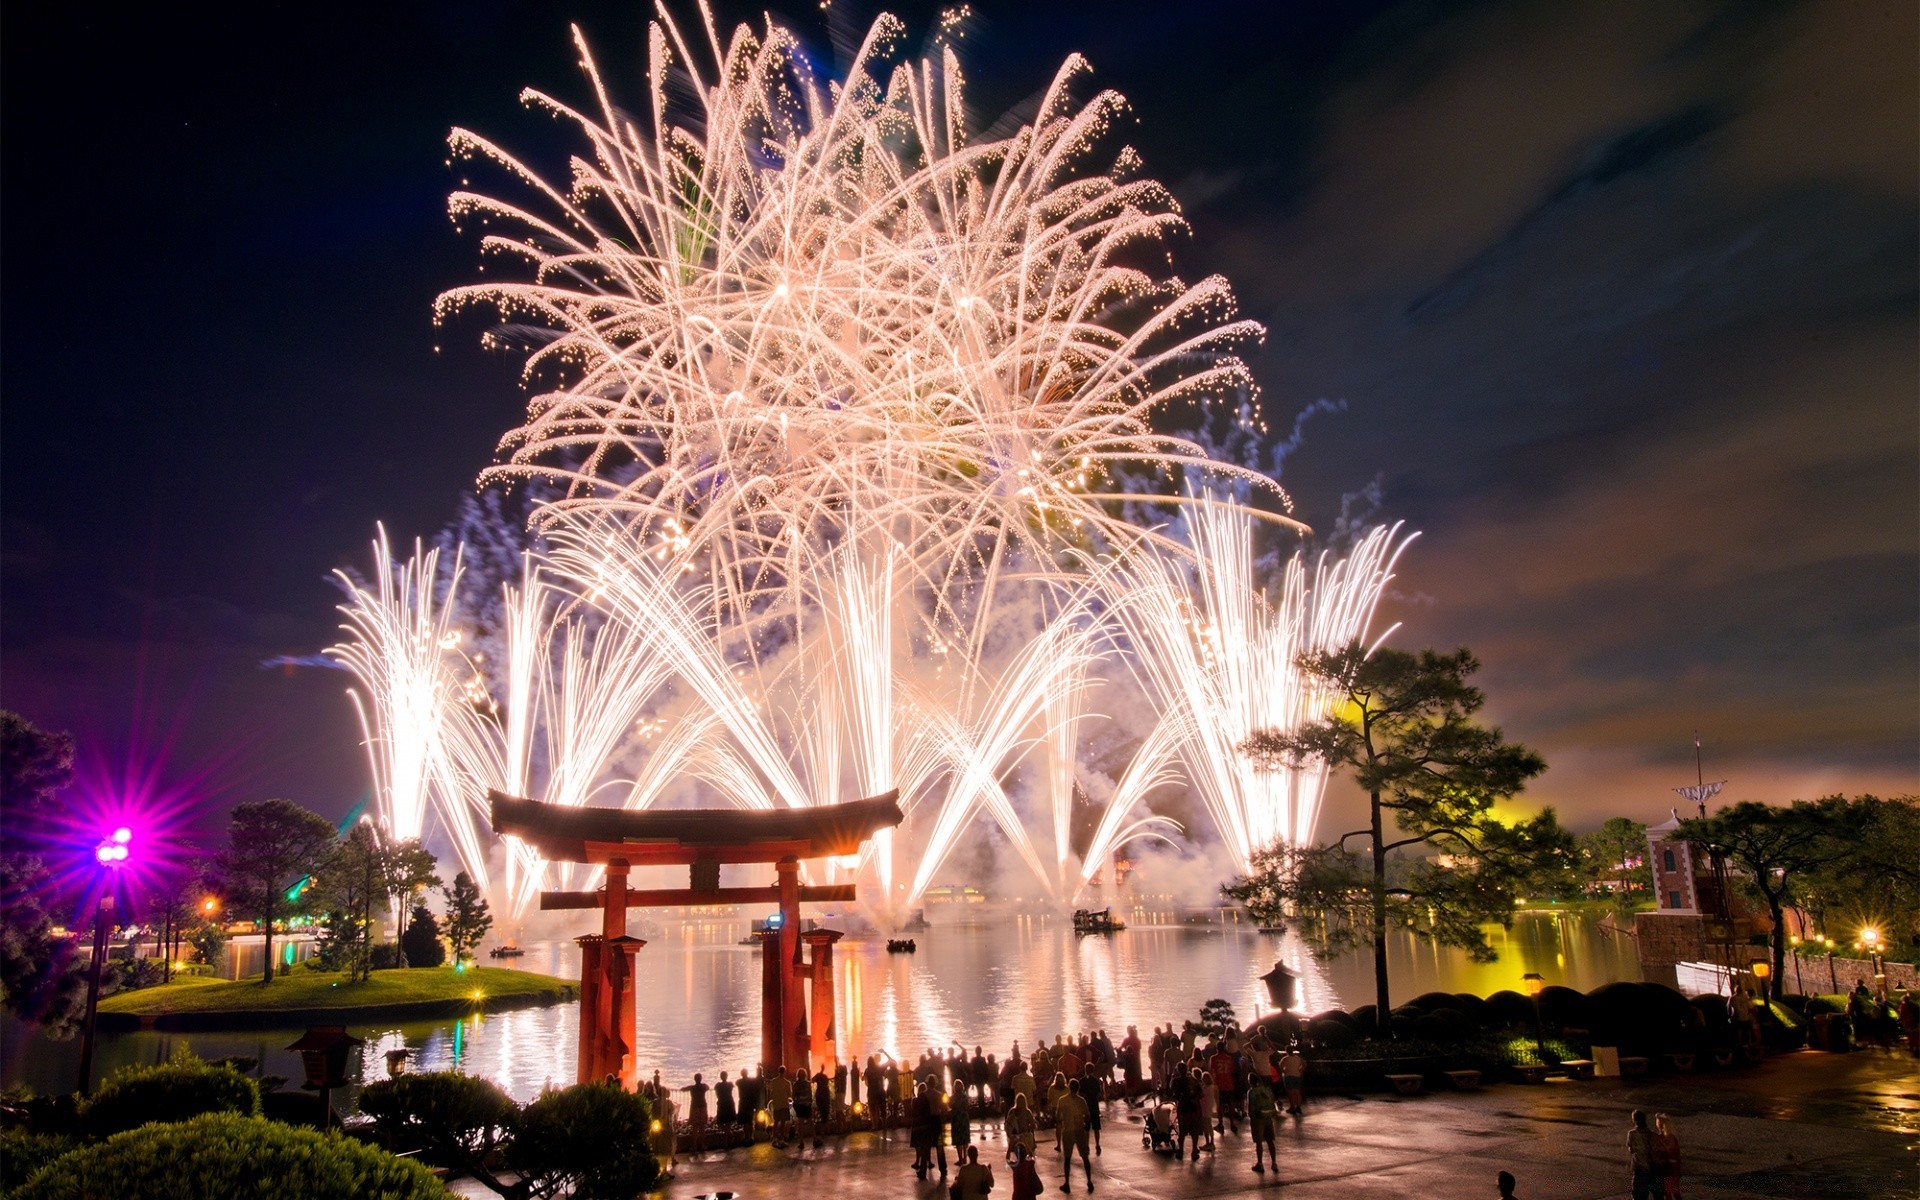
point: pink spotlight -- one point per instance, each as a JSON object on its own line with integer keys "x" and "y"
{"x": 104, "y": 854}
{"x": 123, "y": 835}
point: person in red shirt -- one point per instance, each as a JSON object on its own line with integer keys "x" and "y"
{"x": 1225, "y": 1071}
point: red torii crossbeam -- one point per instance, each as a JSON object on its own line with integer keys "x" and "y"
{"x": 702, "y": 840}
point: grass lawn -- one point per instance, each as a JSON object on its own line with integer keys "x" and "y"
{"x": 306, "y": 990}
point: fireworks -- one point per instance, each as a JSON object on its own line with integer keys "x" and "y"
{"x": 845, "y": 405}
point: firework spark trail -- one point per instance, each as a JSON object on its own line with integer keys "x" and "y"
{"x": 831, "y": 389}
{"x": 786, "y": 304}
{"x": 1224, "y": 662}
{"x": 399, "y": 635}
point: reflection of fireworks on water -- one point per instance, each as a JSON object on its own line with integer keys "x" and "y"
{"x": 839, "y": 398}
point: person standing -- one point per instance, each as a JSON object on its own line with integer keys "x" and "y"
{"x": 1910, "y": 1021}
{"x": 779, "y": 1105}
{"x": 1640, "y": 1157}
{"x": 724, "y": 1113}
{"x": 1209, "y": 1106}
{"x": 697, "y": 1112}
{"x": 666, "y": 1133}
{"x": 1130, "y": 1063}
{"x": 822, "y": 1102}
{"x": 1026, "y": 1176}
{"x": 1505, "y": 1182}
{"x": 752, "y": 1095}
{"x": 1186, "y": 1109}
{"x": 1070, "y": 1118}
{"x": 1094, "y": 1093}
{"x": 1666, "y": 1157}
{"x": 1263, "y": 1110}
{"x": 960, "y": 1124}
{"x": 1022, "y": 1126}
{"x": 1293, "y": 1077}
{"x": 974, "y": 1179}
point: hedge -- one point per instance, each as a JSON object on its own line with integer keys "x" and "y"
{"x": 172, "y": 1091}
{"x": 224, "y": 1156}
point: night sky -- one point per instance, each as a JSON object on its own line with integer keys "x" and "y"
{"x": 1615, "y": 301}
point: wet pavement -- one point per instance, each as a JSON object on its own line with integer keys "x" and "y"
{"x": 1798, "y": 1126}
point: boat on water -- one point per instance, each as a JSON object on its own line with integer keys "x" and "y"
{"x": 1101, "y": 921}
{"x": 901, "y": 946}
{"x": 505, "y": 952}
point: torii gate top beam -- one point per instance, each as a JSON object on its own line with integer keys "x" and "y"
{"x": 670, "y": 837}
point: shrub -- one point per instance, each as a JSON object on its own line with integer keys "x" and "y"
{"x": 23, "y": 1153}
{"x": 453, "y": 1119}
{"x": 385, "y": 956}
{"x": 174, "y": 1091}
{"x": 223, "y": 1156}
{"x": 1327, "y": 1031}
{"x": 592, "y": 1139}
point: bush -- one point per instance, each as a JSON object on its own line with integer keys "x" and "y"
{"x": 453, "y": 1119}
{"x": 1327, "y": 1031}
{"x": 223, "y": 1156}
{"x": 23, "y": 1153}
{"x": 385, "y": 956}
{"x": 592, "y": 1139}
{"x": 174, "y": 1091}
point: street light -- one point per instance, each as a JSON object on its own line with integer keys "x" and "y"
{"x": 112, "y": 854}
{"x": 1537, "y": 983}
{"x": 1870, "y": 940}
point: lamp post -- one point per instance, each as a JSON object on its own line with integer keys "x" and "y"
{"x": 1798, "y": 986}
{"x": 1833, "y": 981}
{"x": 1870, "y": 941}
{"x": 111, "y": 853}
{"x": 1537, "y": 983}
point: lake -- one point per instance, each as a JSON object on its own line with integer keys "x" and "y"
{"x": 1022, "y": 979}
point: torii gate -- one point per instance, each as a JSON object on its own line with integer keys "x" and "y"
{"x": 701, "y": 839}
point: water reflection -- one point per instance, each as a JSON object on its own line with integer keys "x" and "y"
{"x": 987, "y": 985}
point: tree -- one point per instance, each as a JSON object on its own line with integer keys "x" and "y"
{"x": 34, "y": 766}
{"x": 1407, "y": 736}
{"x": 275, "y": 844}
{"x": 467, "y": 917}
{"x": 1878, "y": 882}
{"x": 350, "y": 890}
{"x": 407, "y": 868}
{"x": 421, "y": 942}
{"x": 1618, "y": 851}
{"x": 40, "y": 977}
{"x": 1773, "y": 848}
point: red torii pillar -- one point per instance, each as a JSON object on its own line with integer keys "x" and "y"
{"x": 820, "y": 966}
{"x": 606, "y": 988}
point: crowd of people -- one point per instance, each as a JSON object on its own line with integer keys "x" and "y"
{"x": 1201, "y": 1082}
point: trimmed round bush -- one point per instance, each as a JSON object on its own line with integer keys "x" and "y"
{"x": 1565, "y": 1008}
{"x": 1509, "y": 1008}
{"x": 171, "y": 1091}
{"x": 1445, "y": 1026}
{"x": 592, "y": 1138}
{"x": 445, "y": 1114}
{"x": 1474, "y": 1008}
{"x": 1329, "y": 1032}
{"x": 224, "y": 1156}
{"x": 1429, "y": 1001}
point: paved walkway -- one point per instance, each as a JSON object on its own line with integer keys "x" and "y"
{"x": 1800, "y": 1126}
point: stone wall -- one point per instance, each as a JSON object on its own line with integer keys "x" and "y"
{"x": 1847, "y": 972}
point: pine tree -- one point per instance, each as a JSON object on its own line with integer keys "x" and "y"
{"x": 467, "y": 917}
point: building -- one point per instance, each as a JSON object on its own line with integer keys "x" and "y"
{"x": 1700, "y": 930}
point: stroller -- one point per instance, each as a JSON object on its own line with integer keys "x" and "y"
{"x": 1158, "y": 1133}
